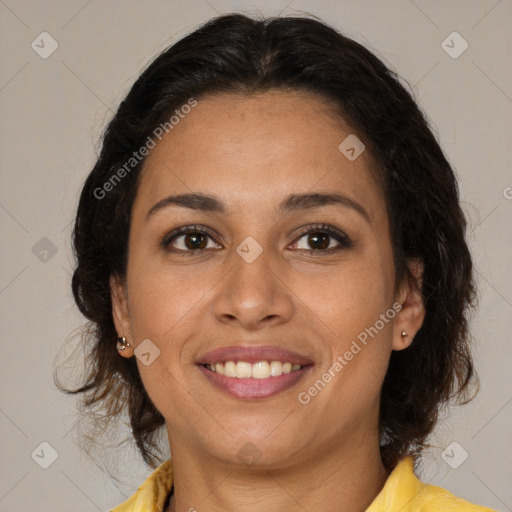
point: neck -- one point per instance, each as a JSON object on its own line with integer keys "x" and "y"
{"x": 347, "y": 478}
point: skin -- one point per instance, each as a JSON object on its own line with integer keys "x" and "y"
{"x": 251, "y": 152}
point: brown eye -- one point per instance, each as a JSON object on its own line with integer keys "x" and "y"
{"x": 195, "y": 241}
{"x": 319, "y": 240}
{"x": 189, "y": 240}
{"x": 322, "y": 239}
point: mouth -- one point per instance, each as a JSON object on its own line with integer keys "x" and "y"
{"x": 253, "y": 372}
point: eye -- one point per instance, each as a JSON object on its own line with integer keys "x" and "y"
{"x": 318, "y": 240}
{"x": 189, "y": 239}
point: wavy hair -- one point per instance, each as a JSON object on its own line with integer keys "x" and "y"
{"x": 235, "y": 53}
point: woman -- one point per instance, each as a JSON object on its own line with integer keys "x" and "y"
{"x": 274, "y": 238}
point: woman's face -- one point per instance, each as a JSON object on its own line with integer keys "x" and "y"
{"x": 247, "y": 278}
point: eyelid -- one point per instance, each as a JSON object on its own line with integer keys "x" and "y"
{"x": 313, "y": 228}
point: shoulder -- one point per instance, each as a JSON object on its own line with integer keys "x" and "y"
{"x": 433, "y": 499}
{"x": 405, "y": 492}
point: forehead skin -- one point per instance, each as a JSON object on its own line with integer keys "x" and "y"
{"x": 265, "y": 145}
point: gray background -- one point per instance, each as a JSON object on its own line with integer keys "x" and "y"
{"x": 52, "y": 113}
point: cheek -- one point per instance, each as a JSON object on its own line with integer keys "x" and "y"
{"x": 161, "y": 300}
{"x": 356, "y": 306}
{"x": 352, "y": 296}
{"x": 358, "y": 356}
{"x": 163, "y": 308}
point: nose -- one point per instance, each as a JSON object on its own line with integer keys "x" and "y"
{"x": 254, "y": 295}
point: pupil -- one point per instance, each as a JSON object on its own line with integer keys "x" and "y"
{"x": 194, "y": 244}
{"x": 324, "y": 240}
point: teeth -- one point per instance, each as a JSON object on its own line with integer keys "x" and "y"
{"x": 229, "y": 369}
{"x": 276, "y": 368}
{"x": 259, "y": 370}
{"x": 243, "y": 370}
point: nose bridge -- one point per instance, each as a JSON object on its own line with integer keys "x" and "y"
{"x": 252, "y": 274}
{"x": 252, "y": 249}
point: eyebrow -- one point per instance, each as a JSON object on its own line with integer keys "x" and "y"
{"x": 292, "y": 202}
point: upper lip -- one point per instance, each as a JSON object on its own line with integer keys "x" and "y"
{"x": 252, "y": 354}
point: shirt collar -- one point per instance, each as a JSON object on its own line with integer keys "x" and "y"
{"x": 151, "y": 495}
{"x": 399, "y": 491}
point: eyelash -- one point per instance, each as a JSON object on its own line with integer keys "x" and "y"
{"x": 344, "y": 240}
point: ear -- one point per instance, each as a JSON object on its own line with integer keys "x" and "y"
{"x": 410, "y": 317}
{"x": 120, "y": 312}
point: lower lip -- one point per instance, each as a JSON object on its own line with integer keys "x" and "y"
{"x": 254, "y": 388}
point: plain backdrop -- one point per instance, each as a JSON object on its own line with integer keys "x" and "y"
{"x": 53, "y": 109}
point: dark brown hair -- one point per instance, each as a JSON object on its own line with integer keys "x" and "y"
{"x": 239, "y": 54}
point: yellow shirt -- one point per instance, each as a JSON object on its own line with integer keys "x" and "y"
{"x": 402, "y": 492}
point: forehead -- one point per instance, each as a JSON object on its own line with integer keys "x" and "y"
{"x": 262, "y": 146}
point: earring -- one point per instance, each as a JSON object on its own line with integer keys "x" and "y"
{"x": 122, "y": 344}
{"x": 404, "y": 334}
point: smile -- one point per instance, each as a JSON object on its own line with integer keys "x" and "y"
{"x": 250, "y": 381}
{"x": 253, "y": 371}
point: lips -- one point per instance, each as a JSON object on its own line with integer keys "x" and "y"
{"x": 253, "y": 388}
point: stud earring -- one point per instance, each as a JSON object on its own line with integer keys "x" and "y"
{"x": 122, "y": 344}
{"x": 404, "y": 334}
